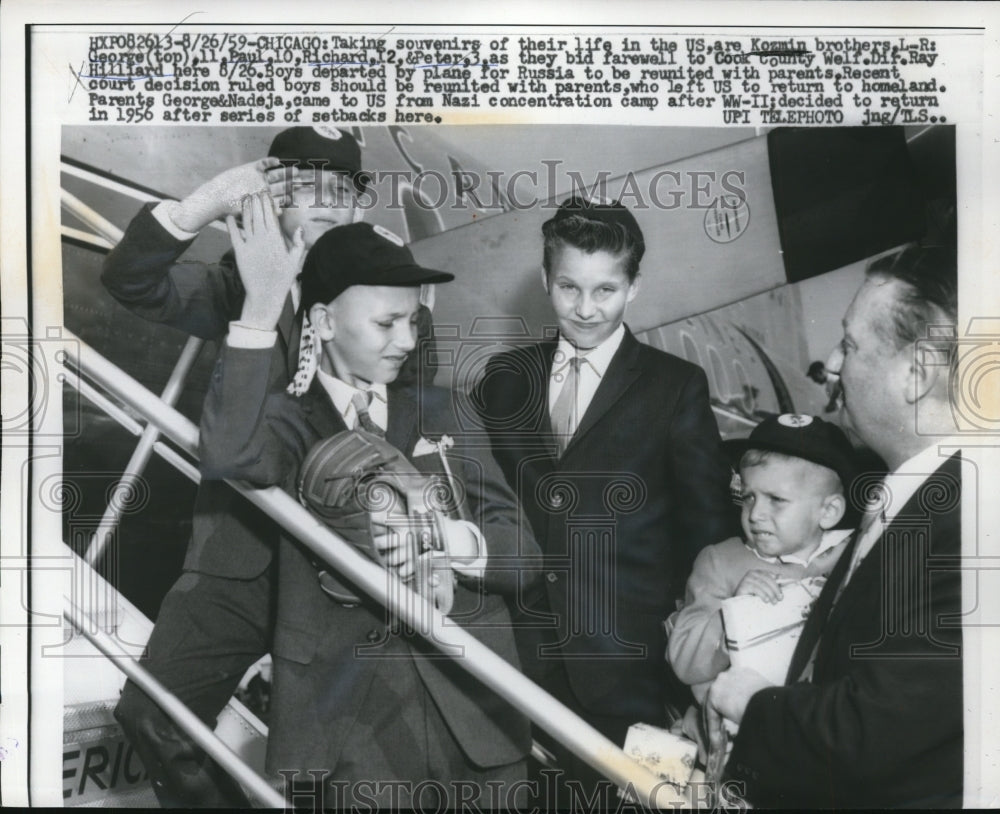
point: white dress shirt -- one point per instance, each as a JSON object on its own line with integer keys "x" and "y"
{"x": 894, "y": 492}
{"x": 342, "y": 395}
{"x": 593, "y": 366}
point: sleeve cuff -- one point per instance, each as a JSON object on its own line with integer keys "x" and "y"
{"x": 163, "y": 212}
{"x": 245, "y": 336}
{"x": 475, "y": 568}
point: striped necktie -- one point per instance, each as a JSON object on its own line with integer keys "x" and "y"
{"x": 564, "y": 417}
{"x": 362, "y": 401}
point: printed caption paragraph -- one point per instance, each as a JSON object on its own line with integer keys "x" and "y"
{"x": 361, "y": 79}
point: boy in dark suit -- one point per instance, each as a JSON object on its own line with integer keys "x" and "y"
{"x": 216, "y": 621}
{"x": 383, "y": 725}
{"x": 613, "y": 450}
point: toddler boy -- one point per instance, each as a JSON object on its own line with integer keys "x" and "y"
{"x": 795, "y": 474}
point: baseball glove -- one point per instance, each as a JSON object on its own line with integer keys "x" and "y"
{"x": 347, "y": 478}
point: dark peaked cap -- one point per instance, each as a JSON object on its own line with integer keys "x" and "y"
{"x": 360, "y": 254}
{"x": 320, "y": 148}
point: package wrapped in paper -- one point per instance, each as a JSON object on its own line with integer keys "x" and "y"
{"x": 763, "y": 636}
{"x": 667, "y": 755}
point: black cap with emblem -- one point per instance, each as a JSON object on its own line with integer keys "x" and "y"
{"x": 321, "y": 148}
{"x": 360, "y": 254}
{"x": 806, "y": 437}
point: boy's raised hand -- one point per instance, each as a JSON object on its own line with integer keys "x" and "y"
{"x": 223, "y": 195}
{"x": 267, "y": 265}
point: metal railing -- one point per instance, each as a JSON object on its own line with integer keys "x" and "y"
{"x": 492, "y": 670}
{"x": 175, "y": 708}
{"x": 149, "y": 437}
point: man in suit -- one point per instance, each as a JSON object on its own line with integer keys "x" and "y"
{"x": 216, "y": 621}
{"x": 875, "y": 719}
{"x": 613, "y": 450}
{"x": 369, "y": 707}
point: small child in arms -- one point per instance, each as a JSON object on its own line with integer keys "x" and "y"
{"x": 795, "y": 474}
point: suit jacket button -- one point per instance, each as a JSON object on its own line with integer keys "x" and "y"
{"x": 373, "y": 635}
{"x": 552, "y": 576}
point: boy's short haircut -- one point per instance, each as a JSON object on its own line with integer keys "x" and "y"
{"x": 592, "y": 227}
{"x": 756, "y": 457}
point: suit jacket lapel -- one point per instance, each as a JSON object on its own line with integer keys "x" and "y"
{"x": 294, "y": 337}
{"x": 320, "y": 412}
{"x": 547, "y": 352}
{"x": 621, "y": 373}
{"x": 289, "y": 330}
{"x": 402, "y": 429}
{"x": 819, "y": 614}
{"x": 867, "y": 575}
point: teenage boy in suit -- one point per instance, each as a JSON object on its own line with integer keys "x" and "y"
{"x": 613, "y": 450}
{"x": 383, "y": 725}
{"x": 217, "y": 619}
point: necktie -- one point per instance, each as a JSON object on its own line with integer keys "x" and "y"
{"x": 801, "y": 667}
{"x": 852, "y": 556}
{"x": 361, "y": 401}
{"x": 564, "y": 418}
{"x": 867, "y": 534}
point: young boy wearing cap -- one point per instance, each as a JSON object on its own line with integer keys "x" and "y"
{"x": 795, "y": 473}
{"x": 385, "y": 724}
{"x": 613, "y": 450}
{"x": 216, "y": 621}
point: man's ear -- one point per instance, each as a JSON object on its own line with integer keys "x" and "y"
{"x": 922, "y": 376}
{"x": 322, "y": 321}
{"x": 832, "y": 511}
{"x": 545, "y": 280}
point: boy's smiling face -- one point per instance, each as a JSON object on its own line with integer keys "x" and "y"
{"x": 590, "y": 292}
{"x": 788, "y": 503}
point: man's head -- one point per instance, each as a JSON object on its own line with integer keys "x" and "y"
{"x": 328, "y": 181}
{"x": 795, "y": 473}
{"x": 886, "y": 378}
{"x": 361, "y": 292}
{"x": 590, "y": 268}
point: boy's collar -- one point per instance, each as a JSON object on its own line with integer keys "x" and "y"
{"x": 830, "y": 539}
{"x": 341, "y": 393}
{"x": 599, "y": 357}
